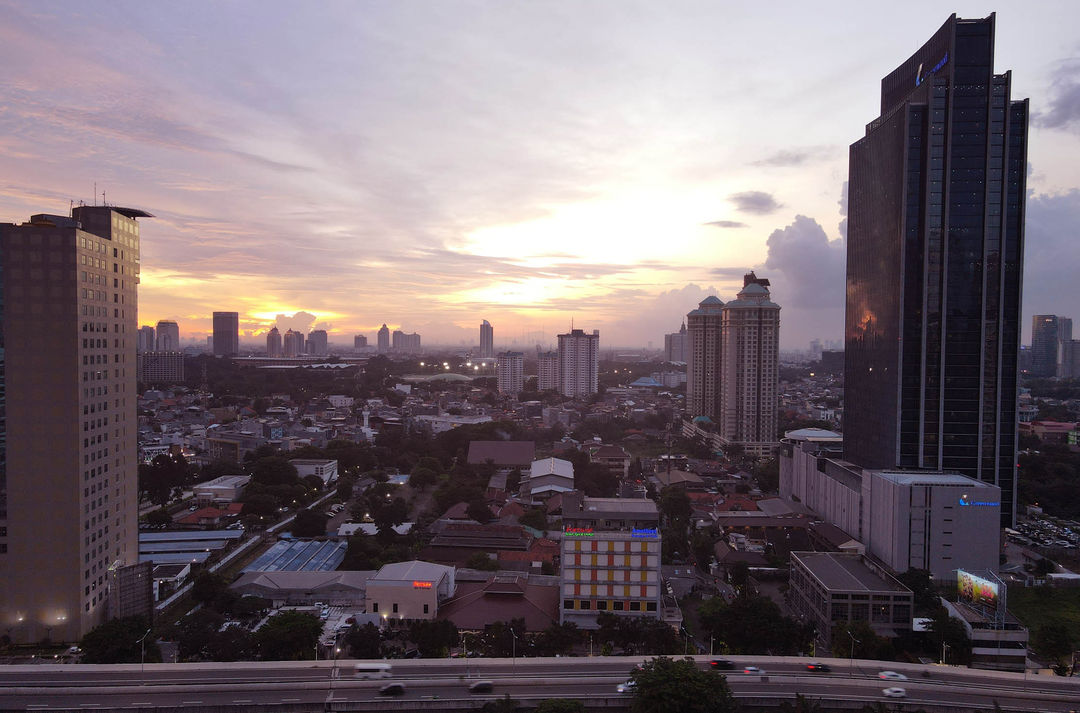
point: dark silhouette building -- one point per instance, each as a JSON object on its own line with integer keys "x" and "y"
{"x": 935, "y": 238}
{"x": 226, "y": 334}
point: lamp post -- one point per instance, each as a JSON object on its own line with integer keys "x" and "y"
{"x": 142, "y": 658}
{"x": 513, "y": 654}
{"x": 851, "y": 658}
{"x": 944, "y": 649}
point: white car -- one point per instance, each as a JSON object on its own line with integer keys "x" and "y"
{"x": 627, "y": 687}
{"x": 754, "y": 670}
{"x": 894, "y": 692}
{"x": 892, "y": 676}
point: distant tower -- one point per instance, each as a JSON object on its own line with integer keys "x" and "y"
{"x": 487, "y": 340}
{"x": 293, "y": 343}
{"x": 168, "y": 336}
{"x": 750, "y": 344}
{"x": 359, "y": 342}
{"x": 704, "y": 358}
{"x": 384, "y": 339}
{"x": 273, "y": 343}
{"x": 510, "y": 371}
{"x": 226, "y": 334}
{"x": 145, "y": 341}
{"x": 317, "y": 344}
{"x": 579, "y": 363}
{"x": 547, "y": 370}
{"x": 675, "y": 345}
{"x": 1048, "y": 333}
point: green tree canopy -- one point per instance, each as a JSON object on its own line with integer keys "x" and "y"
{"x": 288, "y": 636}
{"x": 309, "y": 523}
{"x": 667, "y": 685}
{"x": 752, "y": 624}
{"x": 117, "y": 641}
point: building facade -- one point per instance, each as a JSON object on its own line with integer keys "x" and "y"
{"x": 579, "y": 363}
{"x": 317, "y": 344}
{"x": 1051, "y": 346}
{"x": 168, "y": 336}
{"x": 145, "y": 341}
{"x": 610, "y": 558}
{"x": 273, "y": 343}
{"x": 293, "y": 344}
{"x": 68, "y": 452}
{"x": 704, "y": 358}
{"x": 510, "y": 372}
{"x": 409, "y": 343}
{"x": 487, "y": 340}
{"x": 547, "y": 371}
{"x": 359, "y": 342}
{"x": 226, "y": 334}
{"x": 384, "y": 338}
{"x": 159, "y": 367}
{"x": 936, "y": 204}
{"x": 675, "y": 345}
{"x": 750, "y": 362}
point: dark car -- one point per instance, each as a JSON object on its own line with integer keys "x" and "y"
{"x": 722, "y": 665}
{"x": 481, "y": 687}
{"x": 819, "y": 667}
{"x": 392, "y": 689}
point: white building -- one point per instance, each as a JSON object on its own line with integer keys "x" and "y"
{"x": 487, "y": 340}
{"x": 327, "y": 469}
{"x": 579, "y": 363}
{"x": 547, "y": 371}
{"x": 225, "y": 489}
{"x": 409, "y": 590}
{"x": 510, "y": 370}
{"x": 340, "y": 401}
{"x": 703, "y": 365}
{"x": 547, "y": 477}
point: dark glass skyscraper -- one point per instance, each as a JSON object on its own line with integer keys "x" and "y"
{"x": 935, "y": 244}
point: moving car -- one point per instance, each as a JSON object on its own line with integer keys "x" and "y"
{"x": 754, "y": 669}
{"x": 481, "y": 687}
{"x": 894, "y": 692}
{"x": 627, "y": 687}
{"x": 392, "y": 689}
{"x": 722, "y": 664}
{"x": 892, "y": 676}
{"x": 819, "y": 667}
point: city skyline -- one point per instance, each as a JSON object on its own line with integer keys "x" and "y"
{"x": 615, "y": 182}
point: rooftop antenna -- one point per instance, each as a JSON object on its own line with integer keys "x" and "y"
{"x": 95, "y": 193}
{"x": 103, "y": 199}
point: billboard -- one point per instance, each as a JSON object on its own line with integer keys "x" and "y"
{"x": 977, "y": 590}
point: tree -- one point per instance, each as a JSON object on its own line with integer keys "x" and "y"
{"x": 288, "y": 636}
{"x": 856, "y": 639}
{"x": 433, "y": 638}
{"x": 752, "y": 624}
{"x": 665, "y": 685}
{"x": 560, "y": 705}
{"x": 309, "y": 523}
{"x": 387, "y": 515}
{"x": 506, "y": 704}
{"x": 160, "y": 516}
{"x": 422, "y": 478}
{"x": 364, "y": 642}
{"x": 1053, "y": 641}
{"x": 921, "y": 585}
{"x": 207, "y": 587}
{"x": 479, "y": 560}
{"x": 558, "y": 639}
{"x": 345, "y": 488}
{"x": 535, "y": 518}
{"x": 273, "y": 470}
{"x": 117, "y": 641}
{"x": 479, "y": 511}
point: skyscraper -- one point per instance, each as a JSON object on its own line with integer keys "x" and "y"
{"x": 384, "y": 338}
{"x": 293, "y": 343}
{"x": 704, "y": 326}
{"x": 316, "y": 343}
{"x": 168, "y": 336}
{"x": 359, "y": 342}
{"x": 750, "y": 347}
{"x": 1051, "y": 338}
{"x": 547, "y": 371}
{"x": 145, "y": 340}
{"x": 226, "y": 334}
{"x": 68, "y": 462}
{"x": 487, "y": 340}
{"x": 675, "y": 345}
{"x": 579, "y": 363}
{"x": 935, "y": 237}
{"x": 273, "y": 343}
{"x": 510, "y": 373}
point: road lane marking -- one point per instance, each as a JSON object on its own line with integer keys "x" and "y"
{"x": 190, "y": 703}
{"x": 289, "y": 700}
{"x": 242, "y": 700}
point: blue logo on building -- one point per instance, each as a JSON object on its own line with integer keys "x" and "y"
{"x": 645, "y": 532}
{"x": 966, "y": 500}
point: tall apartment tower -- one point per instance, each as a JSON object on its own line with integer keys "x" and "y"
{"x": 226, "y": 334}
{"x": 384, "y": 338}
{"x": 704, "y": 327}
{"x": 487, "y": 340}
{"x": 547, "y": 371}
{"x": 579, "y": 363}
{"x": 359, "y": 342}
{"x": 1051, "y": 338}
{"x": 935, "y": 244}
{"x": 750, "y": 348}
{"x": 168, "y": 336}
{"x": 317, "y": 344}
{"x": 675, "y": 345}
{"x": 68, "y": 461}
{"x": 293, "y": 343}
{"x": 145, "y": 341}
{"x": 273, "y": 343}
{"x": 510, "y": 373}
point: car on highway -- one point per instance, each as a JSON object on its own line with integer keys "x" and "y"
{"x": 392, "y": 689}
{"x": 818, "y": 667}
{"x": 891, "y": 676}
{"x": 894, "y": 692}
{"x": 627, "y": 687}
{"x": 722, "y": 665}
{"x": 481, "y": 687}
{"x": 754, "y": 670}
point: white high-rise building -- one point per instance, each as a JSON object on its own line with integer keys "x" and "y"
{"x": 273, "y": 342}
{"x": 703, "y": 366}
{"x": 547, "y": 371}
{"x": 510, "y": 370}
{"x": 487, "y": 340}
{"x": 145, "y": 340}
{"x": 579, "y": 363}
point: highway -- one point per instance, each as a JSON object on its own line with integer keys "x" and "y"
{"x": 309, "y": 685}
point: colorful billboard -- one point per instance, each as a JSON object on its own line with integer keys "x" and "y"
{"x": 977, "y": 590}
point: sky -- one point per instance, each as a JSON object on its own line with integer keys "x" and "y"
{"x": 428, "y": 165}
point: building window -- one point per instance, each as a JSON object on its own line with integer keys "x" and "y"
{"x": 425, "y": 608}
{"x": 568, "y": 604}
{"x": 602, "y": 605}
{"x": 585, "y": 604}
{"x": 375, "y": 608}
{"x": 617, "y": 606}
{"x": 635, "y": 606}
{"x": 395, "y": 608}
{"x": 650, "y": 606}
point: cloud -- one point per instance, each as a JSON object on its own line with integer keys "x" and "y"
{"x": 1050, "y": 285}
{"x": 300, "y": 322}
{"x": 1064, "y": 105}
{"x": 725, "y": 224}
{"x": 757, "y": 202}
{"x": 843, "y": 210}
{"x": 729, "y": 273}
{"x": 792, "y": 157}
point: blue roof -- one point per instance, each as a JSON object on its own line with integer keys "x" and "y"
{"x": 646, "y": 381}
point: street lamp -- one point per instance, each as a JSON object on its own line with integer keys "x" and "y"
{"x": 513, "y": 650}
{"x": 142, "y": 658}
{"x": 851, "y": 658}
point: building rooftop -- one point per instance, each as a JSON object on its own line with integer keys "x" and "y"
{"x": 414, "y": 570}
{"x": 845, "y": 573}
{"x": 917, "y": 478}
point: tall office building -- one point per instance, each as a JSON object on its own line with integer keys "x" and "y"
{"x": 384, "y": 338}
{"x": 510, "y": 373}
{"x": 1051, "y": 338}
{"x": 168, "y": 336}
{"x": 579, "y": 363}
{"x": 750, "y": 347}
{"x": 675, "y": 345}
{"x": 145, "y": 340}
{"x": 704, "y": 326}
{"x": 293, "y": 343}
{"x": 487, "y": 340}
{"x": 359, "y": 342}
{"x": 316, "y": 343}
{"x": 68, "y": 461}
{"x": 547, "y": 371}
{"x": 935, "y": 239}
{"x": 226, "y": 334}
{"x": 273, "y": 343}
